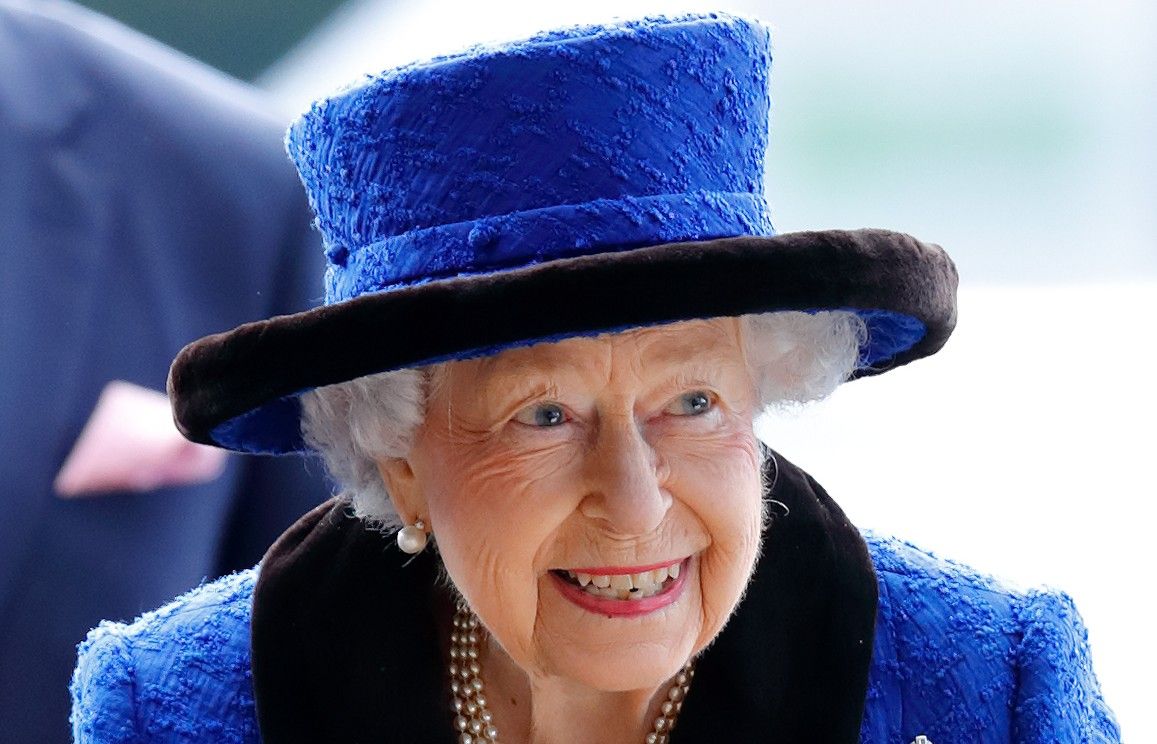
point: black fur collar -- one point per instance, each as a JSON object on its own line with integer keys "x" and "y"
{"x": 345, "y": 648}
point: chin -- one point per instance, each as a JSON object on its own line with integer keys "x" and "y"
{"x": 616, "y": 654}
{"x": 637, "y": 667}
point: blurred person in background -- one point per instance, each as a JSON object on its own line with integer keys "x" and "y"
{"x": 131, "y": 180}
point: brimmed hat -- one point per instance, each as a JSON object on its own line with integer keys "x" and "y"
{"x": 580, "y": 182}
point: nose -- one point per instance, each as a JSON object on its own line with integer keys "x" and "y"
{"x": 625, "y": 487}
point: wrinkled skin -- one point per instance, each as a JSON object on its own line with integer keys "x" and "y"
{"x": 589, "y": 452}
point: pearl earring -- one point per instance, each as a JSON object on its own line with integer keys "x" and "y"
{"x": 412, "y": 538}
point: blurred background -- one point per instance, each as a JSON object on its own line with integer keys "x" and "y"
{"x": 1019, "y": 135}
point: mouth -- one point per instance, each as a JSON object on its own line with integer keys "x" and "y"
{"x": 623, "y": 591}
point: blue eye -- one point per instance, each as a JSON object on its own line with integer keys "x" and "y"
{"x": 694, "y": 403}
{"x": 541, "y": 414}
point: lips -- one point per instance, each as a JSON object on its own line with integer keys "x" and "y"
{"x": 619, "y": 591}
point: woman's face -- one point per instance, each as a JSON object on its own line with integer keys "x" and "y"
{"x": 612, "y": 462}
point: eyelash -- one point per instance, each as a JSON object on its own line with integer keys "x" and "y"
{"x": 710, "y": 402}
{"x": 548, "y": 415}
{"x": 537, "y": 408}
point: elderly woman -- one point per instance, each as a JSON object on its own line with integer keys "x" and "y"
{"x": 555, "y": 307}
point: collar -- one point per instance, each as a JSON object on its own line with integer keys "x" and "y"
{"x": 345, "y": 647}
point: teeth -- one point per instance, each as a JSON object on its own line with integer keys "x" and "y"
{"x": 621, "y": 582}
{"x": 626, "y": 586}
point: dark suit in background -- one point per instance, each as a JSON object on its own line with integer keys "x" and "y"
{"x": 145, "y": 201}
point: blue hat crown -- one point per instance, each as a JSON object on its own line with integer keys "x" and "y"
{"x": 588, "y": 140}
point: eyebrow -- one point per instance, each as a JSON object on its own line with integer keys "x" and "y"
{"x": 519, "y": 382}
{"x": 685, "y": 356}
{"x": 693, "y": 351}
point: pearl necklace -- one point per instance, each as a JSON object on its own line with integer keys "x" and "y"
{"x": 475, "y": 723}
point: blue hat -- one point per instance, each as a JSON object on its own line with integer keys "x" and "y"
{"x": 579, "y": 182}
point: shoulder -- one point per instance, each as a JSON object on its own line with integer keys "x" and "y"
{"x": 960, "y": 655}
{"x": 905, "y": 568}
{"x": 81, "y": 54}
{"x": 178, "y": 674}
{"x": 1058, "y": 689}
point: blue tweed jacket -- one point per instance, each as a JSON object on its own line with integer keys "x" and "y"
{"x": 954, "y": 656}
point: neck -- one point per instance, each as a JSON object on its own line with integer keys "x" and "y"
{"x": 543, "y": 709}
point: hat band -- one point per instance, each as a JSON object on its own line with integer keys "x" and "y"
{"x": 535, "y": 236}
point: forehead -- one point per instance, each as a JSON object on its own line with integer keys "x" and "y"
{"x": 714, "y": 341}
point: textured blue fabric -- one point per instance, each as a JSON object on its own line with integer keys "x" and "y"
{"x": 960, "y": 658}
{"x": 590, "y": 140}
{"x": 957, "y": 658}
{"x": 569, "y": 143}
{"x": 889, "y": 334}
{"x": 178, "y": 674}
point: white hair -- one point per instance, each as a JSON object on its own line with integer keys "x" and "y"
{"x": 794, "y": 358}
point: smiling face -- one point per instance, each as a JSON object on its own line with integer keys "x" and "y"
{"x": 612, "y": 462}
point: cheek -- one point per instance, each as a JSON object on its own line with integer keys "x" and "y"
{"x": 508, "y": 500}
{"x": 721, "y": 487}
{"x": 493, "y": 519}
{"x": 719, "y": 480}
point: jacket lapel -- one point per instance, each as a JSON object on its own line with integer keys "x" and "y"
{"x": 345, "y": 646}
{"x": 344, "y": 649}
{"x": 792, "y": 664}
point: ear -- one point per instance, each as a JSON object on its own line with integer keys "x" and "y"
{"x": 402, "y": 485}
